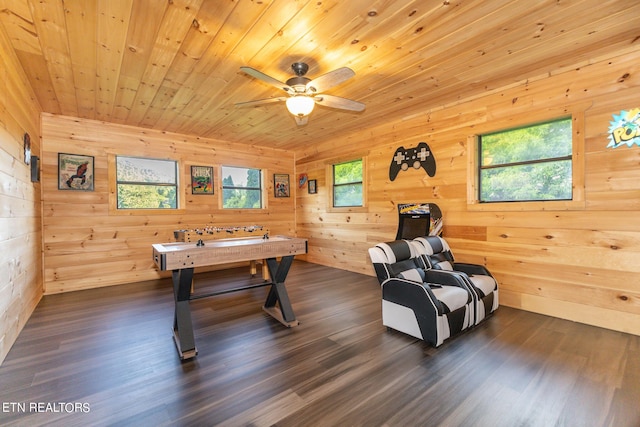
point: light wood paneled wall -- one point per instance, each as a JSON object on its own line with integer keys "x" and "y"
{"x": 88, "y": 245}
{"x": 20, "y": 208}
{"x": 578, "y": 263}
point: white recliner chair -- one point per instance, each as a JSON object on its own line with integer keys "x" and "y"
{"x": 425, "y": 303}
{"x": 435, "y": 251}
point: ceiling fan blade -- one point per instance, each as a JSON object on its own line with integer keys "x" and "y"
{"x": 329, "y": 80}
{"x": 301, "y": 121}
{"x": 338, "y": 102}
{"x": 267, "y": 79}
{"x": 260, "y": 102}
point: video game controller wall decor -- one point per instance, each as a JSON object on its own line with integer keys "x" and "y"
{"x": 417, "y": 157}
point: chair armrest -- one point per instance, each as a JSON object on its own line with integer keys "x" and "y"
{"x": 447, "y": 278}
{"x": 472, "y": 269}
{"x": 382, "y": 273}
{"x": 411, "y": 294}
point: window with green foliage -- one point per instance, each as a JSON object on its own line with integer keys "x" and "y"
{"x": 347, "y": 184}
{"x": 144, "y": 183}
{"x": 531, "y": 163}
{"x": 241, "y": 188}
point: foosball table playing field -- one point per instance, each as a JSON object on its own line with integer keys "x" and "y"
{"x": 203, "y": 234}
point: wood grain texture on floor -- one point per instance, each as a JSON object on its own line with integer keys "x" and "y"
{"x": 106, "y": 357}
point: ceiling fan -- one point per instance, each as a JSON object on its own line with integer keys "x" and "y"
{"x": 304, "y": 93}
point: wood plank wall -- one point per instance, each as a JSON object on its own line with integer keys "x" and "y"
{"x": 20, "y": 207}
{"x": 578, "y": 264}
{"x": 87, "y": 245}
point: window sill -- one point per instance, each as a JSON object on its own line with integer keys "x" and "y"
{"x": 549, "y": 205}
{"x": 142, "y": 212}
{"x": 348, "y": 209}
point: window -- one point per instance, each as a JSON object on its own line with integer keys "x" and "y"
{"x": 143, "y": 183}
{"x": 241, "y": 188}
{"x": 532, "y": 163}
{"x": 347, "y": 184}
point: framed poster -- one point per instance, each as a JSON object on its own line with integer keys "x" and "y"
{"x": 281, "y": 184}
{"x": 313, "y": 186}
{"x": 75, "y": 172}
{"x": 302, "y": 180}
{"x": 201, "y": 180}
{"x": 27, "y": 148}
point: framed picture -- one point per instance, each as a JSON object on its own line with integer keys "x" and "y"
{"x": 313, "y": 186}
{"x": 75, "y": 172}
{"x": 201, "y": 180}
{"x": 302, "y": 180}
{"x": 27, "y": 148}
{"x": 281, "y": 184}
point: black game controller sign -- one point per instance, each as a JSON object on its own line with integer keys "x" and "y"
{"x": 417, "y": 157}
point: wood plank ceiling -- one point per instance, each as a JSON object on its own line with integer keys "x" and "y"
{"x": 174, "y": 64}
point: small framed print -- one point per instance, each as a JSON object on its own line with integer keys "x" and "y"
{"x": 312, "y": 186}
{"x": 27, "y": 148}
{"x": 281, "y": 185}
{"x": 201, "y": 180}
{"x": 75, "y": 172}
{"x": 302, "y": 180}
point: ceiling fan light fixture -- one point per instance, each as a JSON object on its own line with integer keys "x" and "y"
{"x": 304, "y": 93}
{"x": 300, "y": 105}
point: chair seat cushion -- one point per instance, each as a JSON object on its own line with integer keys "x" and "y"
{"x": 451, "y": 297}
{"x": 485, "y": 283}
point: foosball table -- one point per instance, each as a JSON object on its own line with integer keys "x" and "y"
{"x": 215, "y": 233}
{"x": 181, "y": 258}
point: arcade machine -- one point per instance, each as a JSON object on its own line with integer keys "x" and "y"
{"x": 418, "y": 219}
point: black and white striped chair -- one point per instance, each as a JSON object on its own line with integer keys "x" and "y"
{"x": 435, "y": 251}
{"x": 427, "y": 304}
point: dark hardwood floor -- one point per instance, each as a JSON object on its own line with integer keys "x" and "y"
{"x": 107, "y": 357}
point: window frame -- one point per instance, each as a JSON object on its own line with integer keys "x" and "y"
{"x": 516, "y": 164}
{"x": 113, "y": 188}
{"x": 330, "y": 179}
{"x": 261, "y": 188}
{"x": 577, "y": 171}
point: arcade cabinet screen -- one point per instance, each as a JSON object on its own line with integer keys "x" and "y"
{"x": 414, "y": 226}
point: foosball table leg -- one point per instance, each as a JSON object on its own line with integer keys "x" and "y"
{"x": 277, "y": 303}
{"x": 182, "y": 327}
{"x": 265, "y": 270}
{"x": 252, "y": 268}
